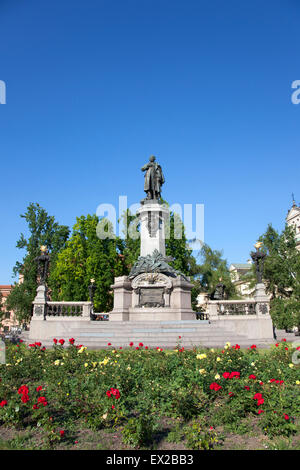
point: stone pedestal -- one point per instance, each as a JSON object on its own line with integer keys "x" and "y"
{"x": 153, "y": 220}
{"x": 152, "y": 297}
{"x": 262, "y": 300}
{"x": 39, "y": 303}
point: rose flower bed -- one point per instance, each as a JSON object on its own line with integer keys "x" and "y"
{"x": 71, "y": 397}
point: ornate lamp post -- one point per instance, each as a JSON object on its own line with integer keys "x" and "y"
{"x": 92, "y": 289}
{"x": 40, "y": 300}
{"x": 219, "y": 291}
{"x": 258, "y": 258}
{"x": 43, "y": 265}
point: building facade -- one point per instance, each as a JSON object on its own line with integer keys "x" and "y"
{"x": 238, "y": 271}
{"x": 293, "y": 220}
{"x": 7, "y": 320}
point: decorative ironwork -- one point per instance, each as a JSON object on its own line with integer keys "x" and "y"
{"x": 263, "y": 308}
{"x": 201, "y": 316}
{"x": 63, "y": 310}
{"x": 237, "y": 308}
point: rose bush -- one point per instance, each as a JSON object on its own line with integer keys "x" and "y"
{"x": 52, "y": 388}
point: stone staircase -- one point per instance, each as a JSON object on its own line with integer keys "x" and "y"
{"x": 164, "y": 334}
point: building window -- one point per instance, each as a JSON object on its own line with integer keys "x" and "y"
{"x": 7, "y": 315}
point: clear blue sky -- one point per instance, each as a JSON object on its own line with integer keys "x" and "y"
{"x": 96, "y": 86}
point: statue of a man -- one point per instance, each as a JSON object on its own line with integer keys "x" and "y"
{"x": 154, "y": 179}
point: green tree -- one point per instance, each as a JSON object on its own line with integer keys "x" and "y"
{"x": 282, "y": 275}
{"x": 212, "y": 267}
{"x": 43, "y": 230}
{"x": 91, "y": 252}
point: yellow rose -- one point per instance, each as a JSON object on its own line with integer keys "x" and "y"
{"x": 202, "y": 371}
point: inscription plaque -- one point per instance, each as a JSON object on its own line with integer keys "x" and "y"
{"x": 151, "y": 297}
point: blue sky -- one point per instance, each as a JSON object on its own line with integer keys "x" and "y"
{"x": 94, "y": 87}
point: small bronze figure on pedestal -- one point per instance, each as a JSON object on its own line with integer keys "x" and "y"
{"x": 258, "y": 258}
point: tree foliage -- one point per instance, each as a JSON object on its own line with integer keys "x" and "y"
{"x": 212, "y": 267}
{"x": 43, "y": 230}
{"x": 87, "y": 256}
{"x": 282, "y": 275}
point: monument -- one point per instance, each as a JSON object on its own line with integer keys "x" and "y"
{"x": 153, "y": 290}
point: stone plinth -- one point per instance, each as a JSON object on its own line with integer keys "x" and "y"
{"x": 152, "y": 297}
{"x": 39, "y": 303}
{"x": 153, "y": 219}
{"x": 262, "y": 300}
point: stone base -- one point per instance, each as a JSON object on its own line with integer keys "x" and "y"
{"x": 152, "y": 314}
{"x": 129, "y": 296}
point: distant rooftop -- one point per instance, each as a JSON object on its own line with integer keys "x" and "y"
{"x": 241, "y": 265}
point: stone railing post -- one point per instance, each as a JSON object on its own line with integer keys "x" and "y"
{"x": 262, "y": 300}
{"x": 213, "y": 306}
{"x": 87, "y": 309}
{"x": 40, "y": 303}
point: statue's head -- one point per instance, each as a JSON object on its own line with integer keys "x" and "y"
{"x": 152, "y": 158}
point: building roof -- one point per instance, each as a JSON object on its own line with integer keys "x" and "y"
{"x": 241, "y": 265}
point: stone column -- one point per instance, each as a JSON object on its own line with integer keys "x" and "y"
{"x": 153, "y": 218}
{"x": 40, "y": 302}
{"x": 213, "y": 310}
{"x": 262, "y": 300}
{"x": 122, "y": 299}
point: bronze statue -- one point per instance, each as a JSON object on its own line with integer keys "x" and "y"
{"x": 154, "y": 179}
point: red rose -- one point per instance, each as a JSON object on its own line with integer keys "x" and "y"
{"x": 39, "y": 388}
{"x": 131, "y": 344}
{"x": 237, "y": 346}
{"x": 260, "y": 411}
{"x": 62, "y": 433}
{"x": 253, "y": 346}
{"x": 252, "y": 376}
{"x": 234, "y": 374}
{"x": 146, "y": 347}
{"x": 54, "y": 340}
{"x": 38, "y": 344}
{"x": 286, "y": 417}
{"x": 283, "y": 339}
{"x": 260, "y": 402}
{"x": 72, "y": 340}
{"x": 215, "y": 386}
{"x": 247, "y": 388}
{"x": 61, "y": 341}
{"x": 25, "y": 398}
{"x": 3, "y": 403}
{"x": 226, "y": 375}
{"x": 112, "y": 407}
{"x": 35, "y": 407}
{"x": 23, "y": 389}
{"x": 108, "y": 344}
{"x": 257, "y": 396}
{"x": 141, "y": 345}
{"x": 108, "y": 393}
